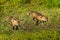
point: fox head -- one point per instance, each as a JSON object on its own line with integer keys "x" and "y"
{"x": 29, "y": 12}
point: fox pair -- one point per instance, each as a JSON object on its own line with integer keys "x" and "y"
{"x": 36, "y": 17}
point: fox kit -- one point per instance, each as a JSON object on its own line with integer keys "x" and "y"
{"x": 38, "y": 16}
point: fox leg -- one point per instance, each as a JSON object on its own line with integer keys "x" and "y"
{"x": 16, "y": 27}
{"x": 34, "y": 18}
{"x": 37, "y": 22}
{"x": 13, "y": 28}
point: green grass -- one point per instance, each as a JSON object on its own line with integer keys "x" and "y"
{"x": 37, "y": 35}
{"x": 29, "y": 31}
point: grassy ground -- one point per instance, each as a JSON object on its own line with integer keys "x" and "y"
{"x": 28, "y": 30}
{"x": 36, "y": 35}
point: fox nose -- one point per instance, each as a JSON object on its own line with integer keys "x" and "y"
{"x": 27, "y": 14}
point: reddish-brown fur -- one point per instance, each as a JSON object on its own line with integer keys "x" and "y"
{"x": 38, "y": 17}
{"x": 14, "y": 22}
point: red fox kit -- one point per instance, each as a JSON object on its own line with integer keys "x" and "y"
{"x": 38, "y": 17}
{"x": 14, "y": 22}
